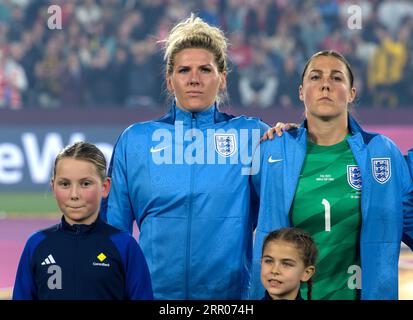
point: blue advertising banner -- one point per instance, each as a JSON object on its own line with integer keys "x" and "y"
{"x": 27, "y": 153}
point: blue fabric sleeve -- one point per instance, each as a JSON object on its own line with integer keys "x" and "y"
{"x": 408, "y": 199}
{"x": 116, "y": 209}
{"x": 138, "y": 281}
{"x": 410, "y": 160}
{"x": 24, "y": 285}
{"x": 263, "y": 127}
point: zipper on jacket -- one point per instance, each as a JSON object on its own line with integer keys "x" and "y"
{"x": 75, "y": 262}
{"x": 189, "y": 227}
{"x": 358, "y": 154}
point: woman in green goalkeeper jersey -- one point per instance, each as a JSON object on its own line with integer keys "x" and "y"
{"x": 348, "y": 188}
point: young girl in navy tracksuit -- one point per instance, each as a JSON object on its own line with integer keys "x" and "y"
{"x": 81, "y": 257}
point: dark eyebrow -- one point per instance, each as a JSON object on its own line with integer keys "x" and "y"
{"x": 283, "y": 260}
{"x": 332, "y": 71}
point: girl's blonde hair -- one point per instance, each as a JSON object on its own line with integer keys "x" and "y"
{"x": 83, "y": 151}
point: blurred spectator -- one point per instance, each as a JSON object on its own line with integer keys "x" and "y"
{"x": 210, "y": 12}
{"x": 282, "y": 43}
{"x": 17, "y": 16}
{"x": 135, "y": 25}
{"x": 96, "y": 48}
{"x": 88, "y": 13}
{"x": 48, "y": 72}
{"x": 330, "y": 12}
{"x": 289, "y": 81}
{"x": 386, "y": 67}
{"x": 235, "y": 16}
{"x": 5, "y": 11}
{"x": 233, "y": 77}
{"x": 257, "y": 22}
{"x": 73, "y": 34}
{"x": 177, "y": 9}
{"x": 32, "y": 53}
{"x": 152, "y": 12}
{"x": 143, "y": 78}
{"x": 335, "y": 41}
{"x": 239, "y": 51}
{"x": 119, "y": 69}
{"x": 13, "y": 81}
{"x": 73, "y": 83}
{"x": 312, "y": 31}
{"x": 391, "y": 13}
{"x": 101, "y": 86}
{"x": 258, "y": 82}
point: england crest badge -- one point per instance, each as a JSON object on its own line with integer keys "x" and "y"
{"x": 225, "y": 144}
{"x": 381, "y": 168}
{"x": 354, "y": 177}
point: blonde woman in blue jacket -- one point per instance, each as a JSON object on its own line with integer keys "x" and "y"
{"x": 350, "y": 189}
{"x": 184, "y": 178}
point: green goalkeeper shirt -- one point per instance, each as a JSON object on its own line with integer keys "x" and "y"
{"x": 327, "y": 205}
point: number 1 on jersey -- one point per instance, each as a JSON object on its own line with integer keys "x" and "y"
{"x": 327, "y": 216}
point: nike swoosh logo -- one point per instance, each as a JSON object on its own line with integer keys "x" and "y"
{"x": 271, "y": 160}
{"x": 158, "y": 149}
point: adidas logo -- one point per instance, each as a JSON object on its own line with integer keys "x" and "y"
{"x": 48, "y": 260}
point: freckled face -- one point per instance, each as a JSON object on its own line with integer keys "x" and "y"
{"x": 78, "y": 190}
{"x": 195, "y": 79}
{"x": 326, "y": 88}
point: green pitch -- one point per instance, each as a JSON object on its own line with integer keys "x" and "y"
{"x": 28, "y": 204}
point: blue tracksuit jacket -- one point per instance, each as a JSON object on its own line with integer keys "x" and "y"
{"x": 82, "y": 262}
{"x": 184, "y": 178}
{"x": 410, "y": 160}
{"x": 386, "y": 206}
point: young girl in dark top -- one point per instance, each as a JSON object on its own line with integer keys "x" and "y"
{"x": 81, "y": 258}
{"x": 288, "y": 259}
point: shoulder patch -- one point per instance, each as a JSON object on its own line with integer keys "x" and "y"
{"x": 381, "y": 169}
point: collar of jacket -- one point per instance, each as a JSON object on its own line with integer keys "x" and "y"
{"x": 203, "y": 119}
{"x": 79, "y": 228}
{"x": 355, "y": 129}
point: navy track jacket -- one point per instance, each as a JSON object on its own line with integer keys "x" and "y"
{"x": 82, "y": 262}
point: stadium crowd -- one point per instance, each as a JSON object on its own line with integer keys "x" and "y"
{"x": 108, "y": 52}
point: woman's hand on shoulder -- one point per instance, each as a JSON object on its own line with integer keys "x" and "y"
{"x": 278, "y": 129}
